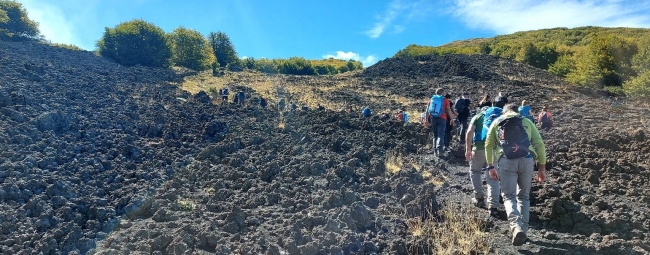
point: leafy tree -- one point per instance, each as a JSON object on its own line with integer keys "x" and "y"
{"x": 215, "y": 68}
{"x": 190, "y": 49}
{"x": 296, "y": 65}
{"x": 223, "y": 48}
{"x": 563, "y": 66}
{"x": 15, "y": 25}
{"x": 605, "y": 62}
{"x": 641, "y": 61}
{"x": 484, "y": 48}
{"x": 538, "y": 56}
{"x": 235, "y": 66}
{"x": 136, "y": 42}
{"x": 638, "y": 86}
{"x": 354, "y": 65}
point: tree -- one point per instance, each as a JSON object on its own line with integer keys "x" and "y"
{"x": 190, "y": 49}
{"x": 223, "y": 48}
{"x": 15, "y": 25}
{"x": 136, "y": 42}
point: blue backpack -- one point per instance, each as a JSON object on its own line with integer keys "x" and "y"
{"x": 524, "y": 112}
{"x": 366, "y": 112}
{"x": 436, "y": 106}
{"x": 491, "y": 114}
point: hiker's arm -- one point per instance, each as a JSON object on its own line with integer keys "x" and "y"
{"x": 469, "y": 136}
{"x": 450, "y": 113}
{"x": 490, "y": 143}
{"x": 538, "y": 143}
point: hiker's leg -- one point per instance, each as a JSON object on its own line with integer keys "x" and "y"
{"x": 463, "y": 130}
{"x": 448, "y": 133}
{"x": 493, "y": 189}
{"x": 524, "y": 182}
{"x": 476, "y": 172}
{"x": 508, "y": 176}
{"x": 441, "y": 128}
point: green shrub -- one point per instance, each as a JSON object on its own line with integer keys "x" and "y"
{"x": 136, "y": 42}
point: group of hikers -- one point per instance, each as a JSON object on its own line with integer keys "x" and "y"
{"x": 239, "y": 97}
{"x": 501, "y": 139}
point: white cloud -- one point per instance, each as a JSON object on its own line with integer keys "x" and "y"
{"x": 366, "y": 61}
{"x": 397, "y": 10}
{"x": 52, "y": 22}
{"x": 521, "y": 15}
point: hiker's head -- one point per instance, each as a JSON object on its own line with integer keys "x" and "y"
{"x": 447, "y": 96}
{"x": 523, "y": 102}
{"x": 510, "y": 108}
{"x": 465, "y": 94}
{"x": 500, "y": 94}
{"x": 486, "y": 98}
{"x": 439, "y": 91}
{"x": 544, "y": 108}
{"x": 499, "y": 103}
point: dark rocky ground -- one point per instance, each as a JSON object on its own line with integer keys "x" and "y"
{"x": 103, "y": 159}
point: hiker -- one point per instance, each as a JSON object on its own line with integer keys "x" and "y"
{"x": 293, "y": 106}
{"x": 236, "y": 98}
{"x": 475, "y": 154}
{"x": 449, "y": 129}
{"x": 321, "y": 108}
{"x": 349, "y": 110}
{"x": 462, "y": 106}
{"x": 262, "y": 102}
{"x": 400, "y": 116}
{"x": 500, "y": 101}
{"x": 525, "y": 111}
{"x": 242, "y": 96}
{"x": 366, "y": 112}
{"x": 224, "y": 95}
{"x": 439, "y": 110}
{"x": 281, "y": 104}
{"x": 485, "y": 101}
{"x": 519, "y": 145}
{"x": 544, "y": 119}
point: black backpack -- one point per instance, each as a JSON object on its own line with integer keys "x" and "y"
{"x": 462, "y": 106}
{"x": 513, "y": 138}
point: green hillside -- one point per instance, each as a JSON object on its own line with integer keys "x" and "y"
{"x": 586, "y": 56}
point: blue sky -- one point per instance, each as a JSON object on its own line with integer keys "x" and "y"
{"x": 363, "y": 30}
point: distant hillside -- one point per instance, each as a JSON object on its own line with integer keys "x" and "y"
{"x": 586, "y": 56}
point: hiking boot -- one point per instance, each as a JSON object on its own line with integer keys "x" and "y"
{"x": 518, "y": 237}
{"x": 494, "y": 212}
{"x": 478, "y": 202}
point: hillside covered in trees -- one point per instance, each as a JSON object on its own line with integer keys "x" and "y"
{"x": 596, "y": 57}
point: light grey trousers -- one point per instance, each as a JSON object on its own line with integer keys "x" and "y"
{"x": 516, "y": 176}
{"x": 476, "y": 166}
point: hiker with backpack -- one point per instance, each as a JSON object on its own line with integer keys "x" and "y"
{"x": 224, "y": 95}
{"x": 475, "y": 154}
{"x": 242, "y": 96}
{"x": 525, "y": 111}
{"x": 439, "y": 110}
{"x": 463, "y": 106}
{"x": 518, "y": 145}
{"x": 544, "y": 119}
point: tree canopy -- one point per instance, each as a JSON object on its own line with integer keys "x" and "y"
{"x": 136, "y": 42}
{"x": 15, "y": 25}
{"x": 190, "y": 49}
{"x": 222, "y": 48}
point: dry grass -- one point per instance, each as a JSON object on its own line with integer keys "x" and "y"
{"x": 186, "y": 205}
{"x": 394, "y": 162}
{"x": 458, "y": 230}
